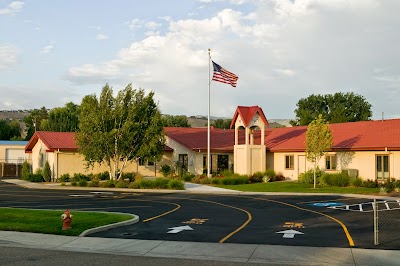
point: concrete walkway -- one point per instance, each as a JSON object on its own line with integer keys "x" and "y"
{"x": 246, "y": 253}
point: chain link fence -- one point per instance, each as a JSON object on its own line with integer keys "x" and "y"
{"x": 387, "y": 222}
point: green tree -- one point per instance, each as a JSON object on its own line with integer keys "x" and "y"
{"x": 33, "y": 121}
{"x": 9, "y": 130}
{"x": 175, "y": 121}
{"x": 47, "y": 172}
{"x": 337, "y": 108}
{"x": 117, "y": 130}
{"x": 319, "y": 140}
{"x": 222, "y": 123}
{"x": 62, "y": 119}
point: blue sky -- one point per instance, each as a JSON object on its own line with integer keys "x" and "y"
{"x": 53, "y": 52}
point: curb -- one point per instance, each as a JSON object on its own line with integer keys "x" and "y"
{"x": 133, "y": 220}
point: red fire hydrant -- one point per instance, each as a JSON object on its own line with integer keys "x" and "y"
{"x": 66, "y": 218}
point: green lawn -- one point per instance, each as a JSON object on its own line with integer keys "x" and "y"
{"x": 287, "y": 186}
{"x": 49, "y": 222}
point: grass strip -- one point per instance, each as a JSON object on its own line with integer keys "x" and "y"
{"x": 290, "y": 186}
{"x": 49, "y": 221}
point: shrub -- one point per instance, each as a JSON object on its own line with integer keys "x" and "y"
{"x": 108, "y": 183}
{"x": 270, "y": 173}
{"x": 356, "y": 182}
{"x": 82, "y": 183}
{"x": 64, "y": 178}
{"x": 216, "y": 180}
{"x": 74, "y": 184}
{"x": 166, "y": 170}
{"x": 78, "y": 177}
{"x": 161, "y": 183}
{"x": 103, "y": 176}
{"x": 134, "y": 185}
{"x": 335, "y": 179}
{"x": 198, "y": 178}
{"x": 26, "y": 170}
{"x": 121, "y": 184}
{"x": 235, "y": 180}
{"x": 279, "y": 177}
{"x": 188, "y": 177}
{"x": 39, "y": 171}
{"x": 129, "y": 176}
{"x": 138, "y": 177}
{"x": 370, "y": 183}
{"x": 389, "y": 184}
{"x": 176, "y": 184}
{"x": 35, "y": 178}
{"x": 308, "y": 177}
{"x": 227, "y": 173}
{"x": 93, "y": 183}
{"x": 256, "y": 177}
{"x": 146, "y": 184}
{"x": 206, "y": 181}
{"x": 47, "y": 172}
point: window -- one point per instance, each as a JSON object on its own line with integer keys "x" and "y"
{"x": 289, "y": 162}
{"x": 219, "y": 163}
{"x": 330, "y": 162}
{"x": 382, "y": 167}
{"x": 183, "y": 160}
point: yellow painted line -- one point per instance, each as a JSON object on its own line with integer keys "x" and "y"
{"x": 349, "y": 238}
{"x": 163, "y": 214}
{"x": 233, "y": 207}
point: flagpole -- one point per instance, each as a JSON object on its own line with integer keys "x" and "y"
{"x": 208, "y": 117}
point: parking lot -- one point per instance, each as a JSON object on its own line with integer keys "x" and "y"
{"x": 320, "y": 221}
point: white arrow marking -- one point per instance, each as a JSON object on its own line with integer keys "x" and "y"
{"x": 290, "y": 233}
{"x": 179, "y": 229}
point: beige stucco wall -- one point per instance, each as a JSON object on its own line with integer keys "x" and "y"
{"x": 195, "y": 158}
{"x": 363, "y": 161}
{"x": 19, "y": 148}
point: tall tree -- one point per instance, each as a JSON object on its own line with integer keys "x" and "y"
{"x": 337, "y": 108}
{"x": 116, "y": 130}
{"x": 222, "y": 123}
{"x": 62, "y": 119}
{"x": 319, "y": 140}
{"x": 9, "y": 130}
{"x": 33, "y": 121}
{"x": 175, "y": 121}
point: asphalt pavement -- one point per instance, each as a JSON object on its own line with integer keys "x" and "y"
{"x": 228, "y": 252}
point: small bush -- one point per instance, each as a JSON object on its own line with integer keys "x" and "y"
{"x": 270, "y": 173}
{"x": 108, "y": 183}
{"x": 356, "y": 182}
{"x": 47, "y": 172}
{"x": 389, "y": 184}
{"x": 26, "y": 170}
{"x": 103, "y": 176}
{"x": 93, "y": 183}
{"x": 138, "y": 177}
{"x": 74, "y": 184}
{"x": 188, "y": 177}
{"x": 308, "y": 177}
{"x": 35, "y": 178}
{"x": 134, "y": 185}
{"x": 161, "y": 183}
{"x": 146, "y": 184}
{"x": 176, "y": 184}
{"x": 216, "y": 180}
{"x": 64, "y": 178}
{"x": 121, "y": 184}
{"x": 335, "y": 179}
{"x": 198, "y": 178}
{"x": 370, "y": 183}
{"x": 207, "y": 181}
{"x": 78, "y": 177}
{"x": 166, "y": 170}
{"x": 129, "y": 176}
{"x": 256, "y": 177}
{"x": 82, "y": 183}
{"x": 62, "y": 184}
{"x": 235, "y": 180}
{"x": 227, "y": 173}
{"x": 279, "y": 177}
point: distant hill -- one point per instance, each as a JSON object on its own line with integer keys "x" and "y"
{"x": 201, "y": 121}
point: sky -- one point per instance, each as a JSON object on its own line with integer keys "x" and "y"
{"x": 54, "y": 52}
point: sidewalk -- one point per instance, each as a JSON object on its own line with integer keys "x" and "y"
{"x": 270, "y": 254}
{"x": 251, "y": 253}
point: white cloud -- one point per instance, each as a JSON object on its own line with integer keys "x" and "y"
{"x": 47, "y": 49}
{"x": 151, "y": 25}
{"x": 12, "y": 8}
{"x": 280, "y": 48}
{"x": 101, "y": 37}
{"x": 8, "y": 56}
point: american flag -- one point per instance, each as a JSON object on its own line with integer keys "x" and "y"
{"x": 223, "y": 75}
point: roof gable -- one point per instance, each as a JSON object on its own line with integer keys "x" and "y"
{"x": 247, "y": 113}
{"x": 53, "y": 141}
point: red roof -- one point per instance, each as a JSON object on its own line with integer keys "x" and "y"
{"x": 196, "y": 138}
{"x": 247, "y": 113}
{"x": 53, "y": 140}
{"x": 59, "y": 141}
{"x": 356, "y": 136}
